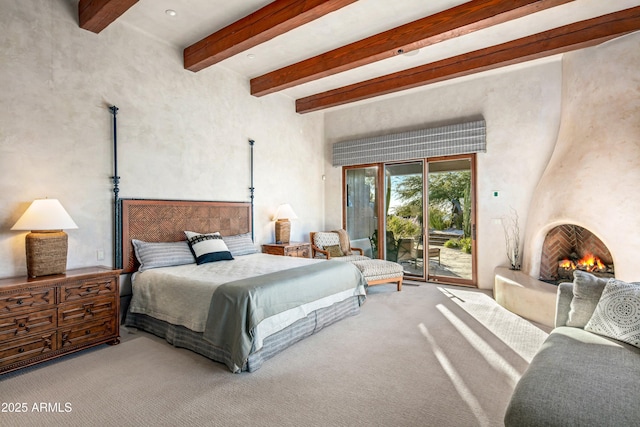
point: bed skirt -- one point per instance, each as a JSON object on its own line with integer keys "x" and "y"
{"x": 181, "y": 337}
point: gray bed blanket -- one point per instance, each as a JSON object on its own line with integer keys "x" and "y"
{"x": 237, "y": 307}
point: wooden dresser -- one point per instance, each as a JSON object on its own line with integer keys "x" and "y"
{"x": 51, "y": 316}
{"x": 297, "y": 249}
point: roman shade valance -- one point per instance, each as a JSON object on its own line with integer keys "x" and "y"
{"x": 462, "y": 138}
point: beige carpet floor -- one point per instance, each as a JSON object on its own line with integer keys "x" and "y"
{"x": 427, "y": 356}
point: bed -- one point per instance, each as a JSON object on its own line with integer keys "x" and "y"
{"x": 240, "y": 311}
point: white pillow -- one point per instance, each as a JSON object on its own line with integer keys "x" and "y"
{"x": 240, "y": 244}
{"x": 162, "y": 254}
{"x": 208, "y": 247}
{"x": 617, "y": 314}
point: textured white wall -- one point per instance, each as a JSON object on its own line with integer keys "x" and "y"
{"x": 521, "y": 106}
{"x": 593, "y": 177}
{"x": 181, "y": 135}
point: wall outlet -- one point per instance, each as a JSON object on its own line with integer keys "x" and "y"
{"x": 100, "y": 255}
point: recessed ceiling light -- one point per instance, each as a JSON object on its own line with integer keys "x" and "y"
{"x": 251, "y": 56}
{"x": 171, "y": 12}
{"x": 412, "y": 52}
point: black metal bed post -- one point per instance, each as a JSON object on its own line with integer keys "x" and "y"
{"x": 117, "y": 232}
{"x": 252, "y": 189}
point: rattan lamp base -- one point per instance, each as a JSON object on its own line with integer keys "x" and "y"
{"x": 283, "y": 231}
{"x": 46, "y": 253}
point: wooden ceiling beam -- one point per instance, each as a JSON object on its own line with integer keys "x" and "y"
{"x": 274, "y": 19}
{"x": 559, "y": 40}
{"x": 460, "y": 20}
{"x": 96, "y": 15}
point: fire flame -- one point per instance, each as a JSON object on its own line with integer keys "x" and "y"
{"x": 567, "y": 263}
{"x": 589, "y": 262}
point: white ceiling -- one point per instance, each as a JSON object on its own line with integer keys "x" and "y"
{"x": 197, "y": 19}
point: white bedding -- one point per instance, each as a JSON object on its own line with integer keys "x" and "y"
{"x": 181, "y": 295}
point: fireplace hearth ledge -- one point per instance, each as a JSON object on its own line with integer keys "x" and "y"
{"x": 525, "y": 296}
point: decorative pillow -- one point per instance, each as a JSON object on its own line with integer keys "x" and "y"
{"x": 322, "y": 239}
{"x": 334, "y": 250}
{"x": 587, "y": 289}
{"x": 208, "y": 247}
{"x": 617, "y": 315}
{"x": 240, "y": 244}
{"x": 161, "y": 254}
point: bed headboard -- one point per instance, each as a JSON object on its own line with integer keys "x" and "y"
{"x": 166, "y": 220}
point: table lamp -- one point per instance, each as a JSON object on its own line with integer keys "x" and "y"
{"x": 46, "y": 244}
{"x": 283, "y": 227}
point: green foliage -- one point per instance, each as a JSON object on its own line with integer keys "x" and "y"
{"x": 464, "y": 244}
{"x": 438, "y": 218}
{"x": 452, "y": 244}
{"x": 403, "y": 228}
{"x": 466, "y": 212}
{"x": 453, "y": 190}
{"x": 449, "y": 206}
{"x": 409, "y": 190}
{"x": 448, "y": 186}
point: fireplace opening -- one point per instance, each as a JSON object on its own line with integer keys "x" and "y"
{"x": 570, "y": 247}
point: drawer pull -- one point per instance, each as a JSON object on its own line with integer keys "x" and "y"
{"x": 21, "y": 350}
{"x": 19, "y": 302}
{"x": 21, "y": 325}
{"x": 88, "y": 289}
{"x": 89, "y": 310}
{"x": 87, "y": 332}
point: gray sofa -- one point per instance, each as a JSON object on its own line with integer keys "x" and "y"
{"x": 578, "y": 378}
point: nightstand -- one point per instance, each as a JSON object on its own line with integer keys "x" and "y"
{"x": 297, "y": 249}
{"x": 50, "y": 316}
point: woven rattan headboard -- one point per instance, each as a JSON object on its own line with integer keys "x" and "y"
{"x": 166, "y": 221}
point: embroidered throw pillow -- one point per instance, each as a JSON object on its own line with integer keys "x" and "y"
{"x": 208, "y": 247}
{"x": 240, "y": 244}
{"x": 161, "y": 254}
{"x": 334, "y": 251}
{"x": 617, "y": 314}
{"x": 587, "y": 290}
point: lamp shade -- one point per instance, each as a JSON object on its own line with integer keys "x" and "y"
{"x": 46, "y": 245}
{"x": 285, "y": 212}
{"x": 45, "y": 214}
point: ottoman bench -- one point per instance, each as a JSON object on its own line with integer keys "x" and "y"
{"x": 378, "y": 271}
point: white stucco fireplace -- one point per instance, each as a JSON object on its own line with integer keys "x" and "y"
{"x": 592, "y": 179}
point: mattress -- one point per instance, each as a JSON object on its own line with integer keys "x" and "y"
{"x": 179, "y": 298}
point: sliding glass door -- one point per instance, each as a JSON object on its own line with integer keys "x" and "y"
{"x": 362, "y": 208}
{"x": 451, "y": 219}
{"x": 404, "y": 215}
{"x": 420, "y": 214}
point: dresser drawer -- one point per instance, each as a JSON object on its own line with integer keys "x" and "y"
{"x": 26, "y": 300}
{"x": 83, "y": 289}
{"x": 302, "y": 251}
{"x": 22, "y": 324}
{"x": 47, "y": 317}
{"x": 86, "y": 310}
{"x": 86, "y": 333}
{"x": 26, "y": 348}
